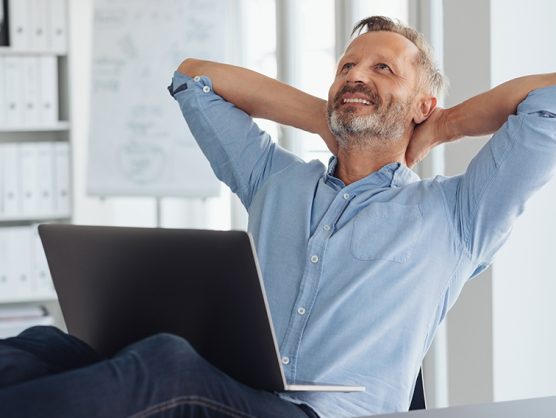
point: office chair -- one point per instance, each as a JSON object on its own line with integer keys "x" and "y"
{"x": 418, "y": 400}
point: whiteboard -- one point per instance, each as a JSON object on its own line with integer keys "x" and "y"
{"x": 139, "y": 143}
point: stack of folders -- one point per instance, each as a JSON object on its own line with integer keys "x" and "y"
{"x": 13, "y": 320}
{"x": 34, "y": 181}
{"x": 28, "y": 91}
{"x": 24, "y": 273}
{"x": 37, "y": 25}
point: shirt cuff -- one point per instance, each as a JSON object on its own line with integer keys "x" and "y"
{"x": 541, "y": 102}
{"x": 181, "y": 82}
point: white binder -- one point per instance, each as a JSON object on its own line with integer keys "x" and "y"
{"x": 5, "y": 290}
{"x": 19, "y": 263}
{"x": 61, "y": 178}
{"x": 19, "y": 24}
{"x": 13, "y": 87}
{"x": 45, "y": 180}
{"x": 10, "y": 181}
{"x": 1, "y": 184}
{"x": 2, "y": 93}
{"x": 49, "y": 90}
{"x": 11, "y": 259}
{"x": 31, "y": 90}
{"x": 42, "y": 285}
{"x": 57, "y": 27}
{"x": 29, "y": 180}
{"x": 38, "y": 19}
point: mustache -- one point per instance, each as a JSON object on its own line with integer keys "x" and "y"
{"x": 371, "y": 94}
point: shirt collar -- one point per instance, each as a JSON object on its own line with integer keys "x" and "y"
{"x": 391, "y": 175}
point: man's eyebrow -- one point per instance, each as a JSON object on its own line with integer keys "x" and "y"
{"x": 395, "y": 61}
{"x": 392, "y": 59}
{"x": 345, "y": 58}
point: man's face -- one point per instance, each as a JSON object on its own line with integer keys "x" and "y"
{"x": 374, "y": 93}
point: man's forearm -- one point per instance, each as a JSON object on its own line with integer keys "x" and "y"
{"x": 261, "y": 96}
{"x": 485, "y": 113}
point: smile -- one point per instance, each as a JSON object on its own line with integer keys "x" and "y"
{"x": 356, "y": 100}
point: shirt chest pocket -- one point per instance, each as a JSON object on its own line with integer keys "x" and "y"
{"x": 386, "y": 231}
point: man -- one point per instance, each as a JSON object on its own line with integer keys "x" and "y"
{"x": 361, "y": 260}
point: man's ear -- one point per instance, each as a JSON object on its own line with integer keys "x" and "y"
{"x": 424, "y": 108}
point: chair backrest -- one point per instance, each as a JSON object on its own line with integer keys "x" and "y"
{"x": 418, "y": 400}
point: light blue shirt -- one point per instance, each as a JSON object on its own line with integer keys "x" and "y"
{"x": 359, "y": 277}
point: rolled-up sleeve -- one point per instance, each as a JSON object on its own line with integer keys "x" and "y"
{"x": 517, "y": 161}
{"x": 241, "y": 154}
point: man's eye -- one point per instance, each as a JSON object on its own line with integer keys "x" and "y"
{"x": 383, "y": 66}
{"x": 347, "y": 66}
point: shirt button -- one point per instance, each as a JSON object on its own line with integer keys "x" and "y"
{"x": 206, "y": 89}
{"x": 197, "y": 78}
{"x": 346, "y": 196}
{"x": 326, "y": 227}
{"x": 314, "y": 259}
{"x": 285, "y": 360}
{"x": 301, "y": 311}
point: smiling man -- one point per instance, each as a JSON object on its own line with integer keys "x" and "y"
{"x": 362, "y": 259}
{"x": 384, "y": 85}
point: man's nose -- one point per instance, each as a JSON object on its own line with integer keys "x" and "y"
{"x": 356, "y": 75}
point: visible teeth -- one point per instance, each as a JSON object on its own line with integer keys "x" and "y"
{"x": 357, "y": 100}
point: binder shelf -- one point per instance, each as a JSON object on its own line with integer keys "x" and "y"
{"x": 35, "y": 142}
{"x": 59, "y": 126}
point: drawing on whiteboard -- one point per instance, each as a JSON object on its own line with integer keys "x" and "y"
{"x": 108, "y": 75}
{"x": 128, "y": 47}
{"x": 141, "y": 162}
{"x": 139, "y": 143}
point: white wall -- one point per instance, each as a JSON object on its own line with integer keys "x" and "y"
{"x": 469, "y": 324}
{"x": 502, "y": 333}
{"x": 524, "y": 276}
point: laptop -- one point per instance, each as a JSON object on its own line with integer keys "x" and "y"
{"x": 118, "y": 285}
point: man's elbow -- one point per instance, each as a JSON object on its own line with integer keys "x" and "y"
{"x": 190, "y": 67}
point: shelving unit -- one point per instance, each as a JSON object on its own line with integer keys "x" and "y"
{"x": 35, "y": 147}
{"x": 59, "y": 126}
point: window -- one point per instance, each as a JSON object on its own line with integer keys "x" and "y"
{"x": 258, "y": 45}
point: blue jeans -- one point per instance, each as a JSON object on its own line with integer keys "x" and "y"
{"x": 47, "y": 373}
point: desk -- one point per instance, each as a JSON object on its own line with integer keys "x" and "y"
{"x": 526, "y": 408}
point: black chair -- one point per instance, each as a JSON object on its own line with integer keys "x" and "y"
{"x": 418, "y": 400}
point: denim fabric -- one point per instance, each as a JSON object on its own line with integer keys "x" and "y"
{"x": 40, "y": 351}
{"x": 46, "y": 373}
{"x": 359, "y": 276}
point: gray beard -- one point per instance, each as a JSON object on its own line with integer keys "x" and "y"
{"x": 386, "y": 125}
